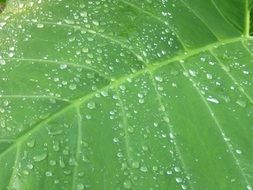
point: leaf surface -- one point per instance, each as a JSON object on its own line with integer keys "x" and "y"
{"x": 126, "y": 94}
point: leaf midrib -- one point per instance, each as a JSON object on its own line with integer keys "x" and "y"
{"x": 114, "y": 85}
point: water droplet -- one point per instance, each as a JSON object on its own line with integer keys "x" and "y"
{"x": 96, "y": 23}
{"x": 104, "y": 93}
{"x": 192, "y": 73}
{"x": 31, "y": 143}
{"x": 238, "y": 151}
{"x": 209, "y": 76}
{"x": 83, "y": 14}
{"x": 40, "y": 25}
{"x": 91, "y": 105}
{"x": 25, "y": 172}
{"x": 127, "y": 184}
{"x": 177, "y": 169}
{"x": 40, "y": 157}
{"x": 85, "y": 50}
{"x": 52, "y": 162}
{"x": 155, "y": 168}
{"x": 130, "y": 129}
{"x": 2, "y": 62}
{"x": 179, "y": 180}
{"x": 63, "y": 66}
{"x": 135, "y": 164}
{"x": 158, "y": 78}
{"x": 241, "y": 103}
{"x": 141, "y": 101}
{"x": 56, "y": 146}
{"x": 145, "y": 148}
{"x": 30, "y": 166}
{"x": 80, "y": 186}
{"x": 144, "y": 169}
{"x": 72, "y": 86}
{"x": 48, "y": 174}
{"x": 213, "y": 100}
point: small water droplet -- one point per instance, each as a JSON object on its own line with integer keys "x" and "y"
{"x": 135, "y": 164}
{"x": 48, "y": 174}
{"x": 40, "y": 25}
{"x": 104, "y": 93}
{"x": 80, "y": 186}
{"x": 115, "y": 140}
{"x": 72, "y": 86}
{"x": 144, "y": 169}
{"x": 158, "y": 78}
{"x": 127, "y": 184}
{"x": 40, "y": 157}
{"x": 213, "y": 100}
{"x": 179, "y": 180}
{"x": 91, "y": 105}
{"x": 31, "y": 143}
{"x": 85, "y": 50}
{"x": 241, "y": 103}
{"x": 63, "y": 66}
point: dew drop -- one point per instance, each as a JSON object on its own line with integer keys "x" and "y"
{"x": 179, "y": 180}
{"x": 135, "y": 164}
{"x": 40, "y": 157}
{"x": 158, "y": 78}
{"x": 2, "y": 62}
{"x": 31, "y": 143}
{"x": 40, "y": 25}
{"x": 144, "y": 169}
{"x": 48, "y": 174}
{"x": 83, "y": 14}
{"x": 91, "y": 105}
{"x": 63, "y": 66}
{"x": 213, "y": 100}
{"x": 127, "y": 184}
{"x": 25, "y": 172}
{"x": 72, "y": 86}
{"x": 241, "y": 103}
{"x": 85, "y": 50}
{"x": 104, "y": 93}
{"x": 115, "y": 140}
{"x": 80, "y": 186}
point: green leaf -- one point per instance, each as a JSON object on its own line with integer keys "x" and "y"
{"x": 126, "y": 94}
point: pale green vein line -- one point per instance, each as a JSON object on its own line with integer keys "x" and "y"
{"x": 152, "y": 67}
{"x": 14, "y": 169}
{"x": 126, "y": 134}
{"x": 225, "y": 18}
{"x": 166, "y": 115}
{"x": 247, "y": 19}
{"x": 201, "y": 19}
{"x": 78, "y": 146}
{"x": 219, "y": 126}
{"x": 247, "y": 48}
{"x": 231, "y": 77}
{"x": 125, "y": 126}
{"x": 23, "y": 96}
{"x": 158, "y": 19}
{"x": 7, "y": 140}
{"x": 59, "y": 63}
{"x": 94, "y": 33}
